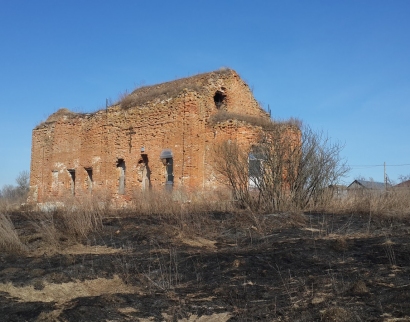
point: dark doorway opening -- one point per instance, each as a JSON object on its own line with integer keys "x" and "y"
{"x": 121, "y": 176}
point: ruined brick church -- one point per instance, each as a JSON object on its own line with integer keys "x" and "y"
{"x": 158, "y": 137}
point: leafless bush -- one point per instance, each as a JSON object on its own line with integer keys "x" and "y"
{"x": 289, "y": 169}
{"x": 9, "y": 239}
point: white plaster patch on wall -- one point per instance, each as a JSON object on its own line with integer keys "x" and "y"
{"x": 95, "y": 160}
{"x": 59, "y": 166}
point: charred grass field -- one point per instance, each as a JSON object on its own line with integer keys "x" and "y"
{"x": 187, "y": 263}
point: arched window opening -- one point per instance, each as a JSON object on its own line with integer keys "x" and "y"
{"x": 144, "y": 172}
{"x": 168, "y": 161}
{"x": 89, "y": 179}
{"x": 255, "y": 168}
{"x": 121, "y": 176}
{"x": 219, "y": 99}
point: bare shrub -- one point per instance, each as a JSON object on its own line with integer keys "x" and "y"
{"x": 9, "y": 239}
{"x": 288, "y": 170}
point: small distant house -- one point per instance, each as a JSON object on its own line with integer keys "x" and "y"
{"x": 338, "y": 191}
{"x": 366, "y": 185}
{"x": 403, "y": 185}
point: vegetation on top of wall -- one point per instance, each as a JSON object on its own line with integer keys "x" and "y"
{"x": 59, "y": 114}
{"x": 166, "y": 90}
{"x": 264, "y": 122}
{"x": 144, "y": 94}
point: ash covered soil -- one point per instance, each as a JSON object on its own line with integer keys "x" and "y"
{"x": 213, "y": 267}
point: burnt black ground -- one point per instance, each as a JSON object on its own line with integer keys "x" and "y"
{"x": 276, "y": 268}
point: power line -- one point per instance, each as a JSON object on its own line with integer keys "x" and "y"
{"x": 379, "y": 165}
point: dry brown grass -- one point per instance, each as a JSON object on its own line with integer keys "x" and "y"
{"x": 394, "y": 204}
{"x": 9, "y": 239}
{"x": 65, "y": 292}
{"x": 263, "y": 122}
{"x": 186, "y": 210}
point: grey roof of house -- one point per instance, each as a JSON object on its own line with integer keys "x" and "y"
{"x": 369, "y": 184}
{"x": 404, "y": 184}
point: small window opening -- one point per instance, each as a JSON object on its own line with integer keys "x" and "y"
{"x": 166, "y": 157}
{"x": 255, "y": 169}
{"x": 89, "y": 180}
{"x": 144, "y": 172}
{"x": 121, "y": 176}
{"x": 219, "y": 99}
{"x": 72, "y": 181}
{"x": 169, "y": 173}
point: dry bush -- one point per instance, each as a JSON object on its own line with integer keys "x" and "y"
{"x": 287, "y": 170}
{"x": 9, "y": 239}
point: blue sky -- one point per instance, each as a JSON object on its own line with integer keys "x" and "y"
{"x": 340, "y": 66}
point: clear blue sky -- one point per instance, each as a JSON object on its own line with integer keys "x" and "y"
{"x": 341, "y": 66}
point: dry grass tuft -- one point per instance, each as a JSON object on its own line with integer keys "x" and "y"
{"x": 9, "y": 239}
{"x": 337, "y": 314}
{"x": 359, "y": 288}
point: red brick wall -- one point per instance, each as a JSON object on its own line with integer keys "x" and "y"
{"x": 69, "y": 141}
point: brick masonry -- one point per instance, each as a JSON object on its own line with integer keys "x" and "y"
{"x": 118, "y": 150}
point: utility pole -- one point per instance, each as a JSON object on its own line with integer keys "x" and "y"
{"x": 385, "y": 177}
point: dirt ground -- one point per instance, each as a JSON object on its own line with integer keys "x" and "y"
{"x": 218, "y": 267}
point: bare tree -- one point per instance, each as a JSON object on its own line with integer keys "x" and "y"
{"x": 290, "y": 167}
{"x": 233, "y": 164}
{"x": 16, "y": 194}
{"x": 23, "y": 181}
{"x": 403, "y": 178}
